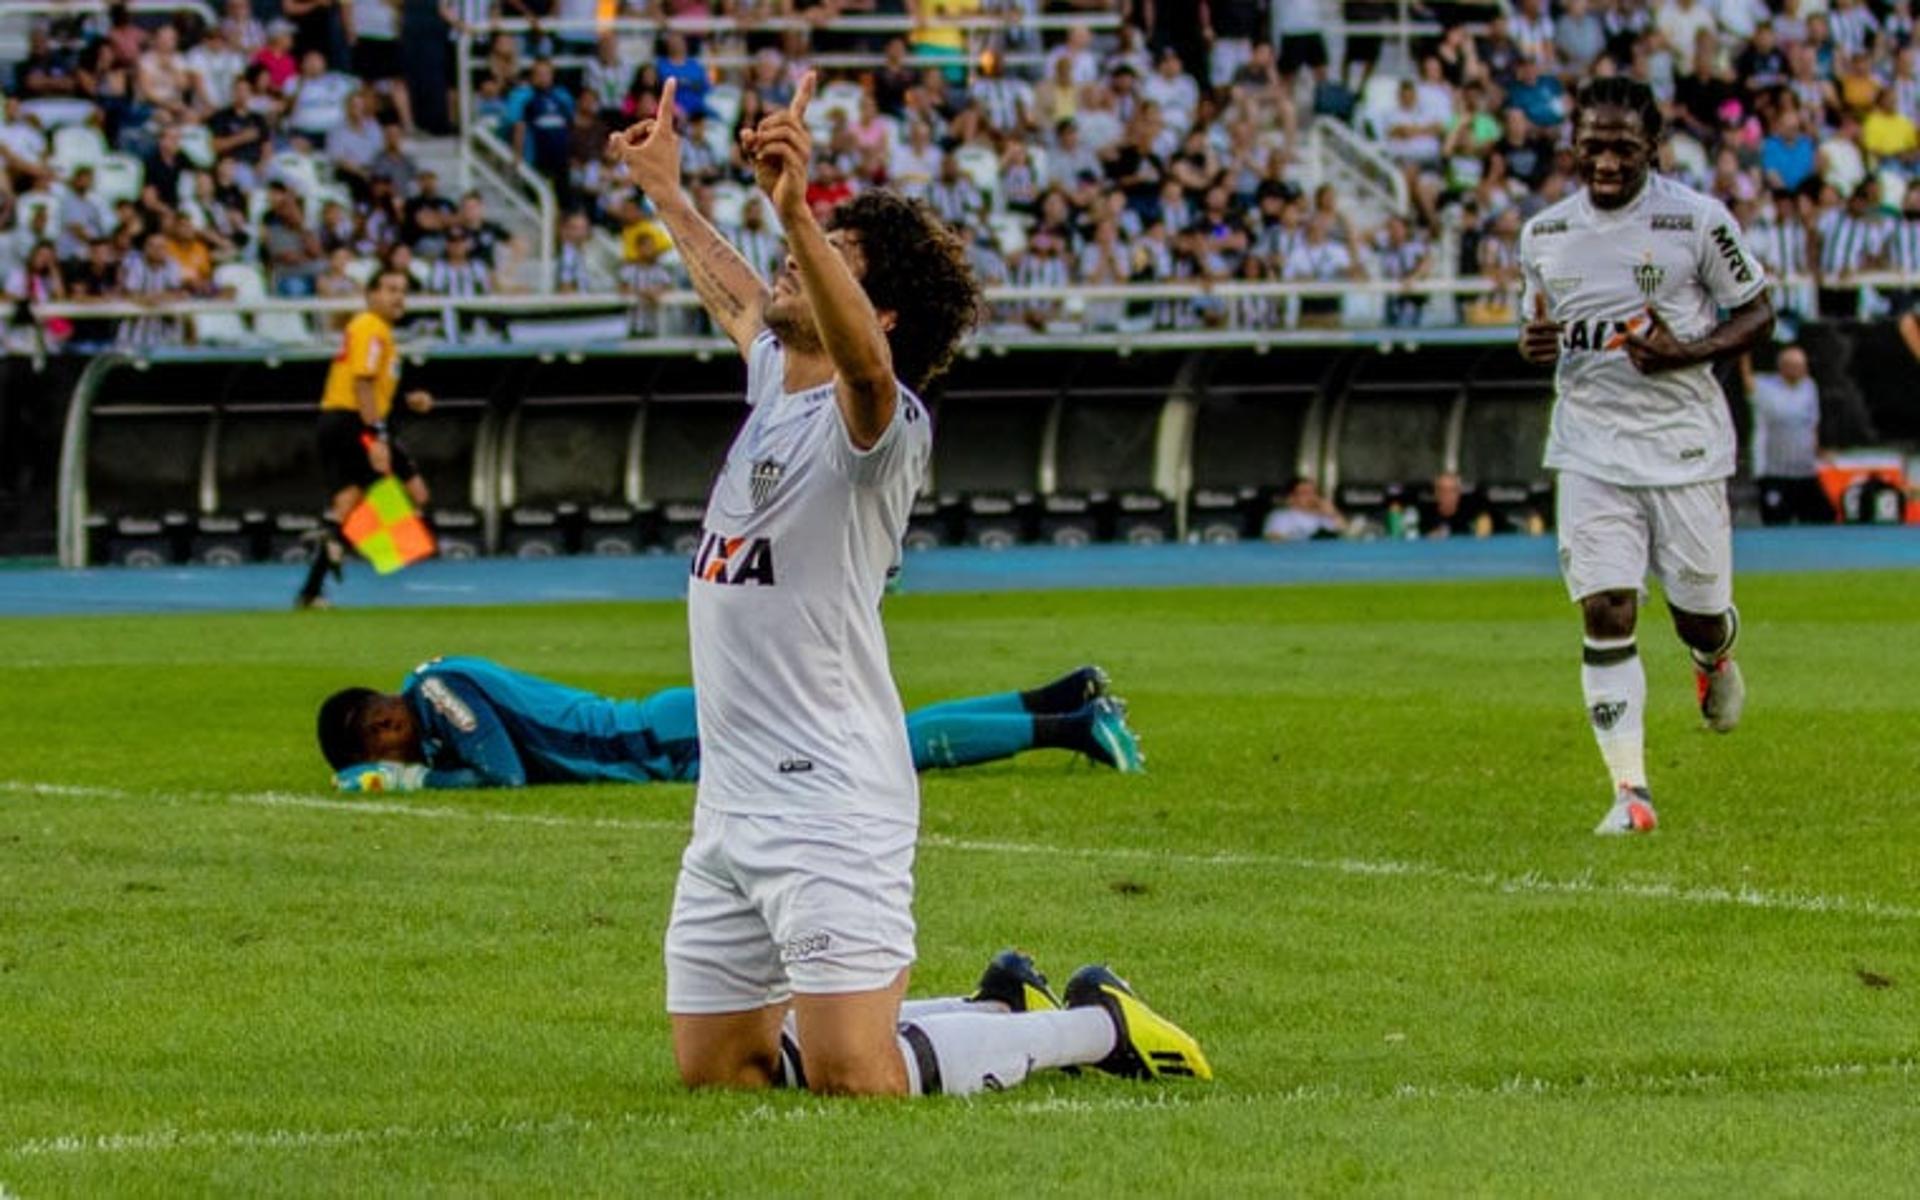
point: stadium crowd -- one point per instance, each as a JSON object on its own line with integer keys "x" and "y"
{"x": 269, "y": 150}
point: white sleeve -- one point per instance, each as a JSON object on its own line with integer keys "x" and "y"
{"x": 766, "y": 364}
{"x": 904, "y": 446}
{"x": 1531, "y": 285}
{"x": 1728, "y": 269}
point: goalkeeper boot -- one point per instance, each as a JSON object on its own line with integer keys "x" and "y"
{"x": 1632, "y": 812}
{"x": 1114, "y": 741}
{"x": 1013, "y": 980}
{"x": 1722, "y": 692}
{"x": 1145, "y": 1044}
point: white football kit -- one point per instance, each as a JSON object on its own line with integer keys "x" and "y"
{"x": 1643, "y": 459}
{"x": 799, "y": 875}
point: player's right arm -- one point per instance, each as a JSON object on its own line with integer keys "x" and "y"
{"x": 362, "y": 355}
{"x": 1540, "y": 336}
{"x": 730, "y": 289}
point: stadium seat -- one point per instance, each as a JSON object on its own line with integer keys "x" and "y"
{"x": 537, "y": 532}
{"x": 220, "y": 540}
{"x": 459, "y": 533}
{"x": 729, "y": 204}
{"x": 118, "y": 177}
{"x": 1142, "y": 519}
{"x": 222, "y": 328}
{"x": 1010, "y": 231}
{"x": 58, "y": 112}
{"x": 1069, "y": 521}
{"x": 1222, "y": 516}
{"x": 76, "y": 146}
{"x": 616, "y": 530}
{"x": 28, "y": 204}
{"x": 680, "y": 523}
{"x": 982, "y": 165}
{"x": 995, "y": 522}
{"x": 304, "y": 173}
{"x": 930, "y": 524}
{"x": 196, "y": 142}
{"x": 723, "y": 106}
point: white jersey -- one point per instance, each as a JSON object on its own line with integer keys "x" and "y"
{"x": 798, "y": 710}
{"x": 1677, "y": 250}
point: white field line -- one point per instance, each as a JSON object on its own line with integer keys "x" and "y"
{"x": 1050, "y": 1104}
{"x": 1528, "y": 883}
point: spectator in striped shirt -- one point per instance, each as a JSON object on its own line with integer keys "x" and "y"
{"x": 1903, "y": 252}
{"x": 954, "y": 196}
{"x": 1780, "y": 238}
{"x": 570, "y": 262}
{"x": 1403, "y": 256}
{"x": 1848, "y": 246}
{"x": 462, "y": 277}
{"x": 153, "y": 278}
{"x": 1853, "y": 26}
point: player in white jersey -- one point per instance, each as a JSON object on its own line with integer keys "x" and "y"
{"x": 791, "y": 938}
{"x": 1626, "y": 281}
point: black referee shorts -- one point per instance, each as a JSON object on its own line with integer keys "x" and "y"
{"x": 343, "y": 456}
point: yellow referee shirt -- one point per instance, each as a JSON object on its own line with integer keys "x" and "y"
{"x": 366, "y": 352}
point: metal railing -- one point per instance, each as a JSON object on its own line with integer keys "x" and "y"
{"x": 1076, "y": 296}
{"x": 1332, "y": 143}
{"x": 530, "y": 193}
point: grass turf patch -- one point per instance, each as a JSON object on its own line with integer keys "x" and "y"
{"x": 1359, "y": 869}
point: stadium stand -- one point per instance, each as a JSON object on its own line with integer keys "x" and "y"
{"x": 176, "y": 180}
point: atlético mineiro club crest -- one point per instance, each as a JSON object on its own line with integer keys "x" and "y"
{"x": 1648, "y": 277}
{"x": 766, "y": 477}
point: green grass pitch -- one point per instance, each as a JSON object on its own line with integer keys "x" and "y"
{"x": 1360, "y": 870}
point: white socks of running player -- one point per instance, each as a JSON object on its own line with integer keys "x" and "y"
{"x": 957, "y": 1047}
{"x": 1615, "y": 684}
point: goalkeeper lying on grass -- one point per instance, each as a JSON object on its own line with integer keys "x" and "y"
{"x": 469, "y": 722}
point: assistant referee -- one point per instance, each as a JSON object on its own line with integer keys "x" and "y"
{"x": 356, "y": 448}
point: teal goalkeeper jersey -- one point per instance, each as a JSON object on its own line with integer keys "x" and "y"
{"x": 485, "y": 725}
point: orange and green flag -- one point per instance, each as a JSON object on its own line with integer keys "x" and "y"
{"x": 386, "y": 530}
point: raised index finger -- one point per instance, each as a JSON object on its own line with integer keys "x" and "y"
{"x": 667, "y": 94}
{"x": 803, "y": 96}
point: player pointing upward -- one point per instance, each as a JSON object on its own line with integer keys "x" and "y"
{"x": 1626, "y": 284}
{"x": 792, "y": 930}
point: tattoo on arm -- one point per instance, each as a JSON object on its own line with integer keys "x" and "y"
{"x": 729, "y": 287}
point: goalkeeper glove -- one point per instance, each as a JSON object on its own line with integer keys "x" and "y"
{"x": 382, "y": 777}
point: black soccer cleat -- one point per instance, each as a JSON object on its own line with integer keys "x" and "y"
{"x": 1145, "y": 1044}
{"x": 1013, "y": 980}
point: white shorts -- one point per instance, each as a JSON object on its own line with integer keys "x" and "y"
{"x": 1612, "y": 536}
{"x": 768, "y": 906}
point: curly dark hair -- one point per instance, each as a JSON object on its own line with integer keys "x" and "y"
{"x": 1619, "y": 91}
{"x": 916, "y": 269}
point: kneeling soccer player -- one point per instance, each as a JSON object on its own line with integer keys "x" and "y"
{"x": 795, "y": 893}
{"x": 468, "y": 722}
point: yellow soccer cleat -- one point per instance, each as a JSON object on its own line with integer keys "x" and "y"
{"x": 1146, "y": 1045}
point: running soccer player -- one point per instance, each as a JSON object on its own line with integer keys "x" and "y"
{"x": 1626, "y": 282}
{"x": 355, "y": 446}
{"x": 470, "y": 723}
{"x": 792, "y": 934}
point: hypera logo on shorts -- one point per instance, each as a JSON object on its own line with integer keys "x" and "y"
{"x": 733, "y": 560}
{"x": 807, "y": 945}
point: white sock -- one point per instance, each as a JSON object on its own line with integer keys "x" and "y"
{"x": 912, "y": 1010}
{"x": 960, "y": 1053}
{"x": 1615, "y": 684}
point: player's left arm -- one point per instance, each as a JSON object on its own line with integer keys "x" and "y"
{"x": 475, "y": 735}
{"x": 850, "y": 329}
{"x": 1733, "y": 277}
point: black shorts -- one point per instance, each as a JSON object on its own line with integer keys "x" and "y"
{"x": 343, "y": 456}
{"x": 377, "y": 59}
{"x": 1301, "y": 50}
